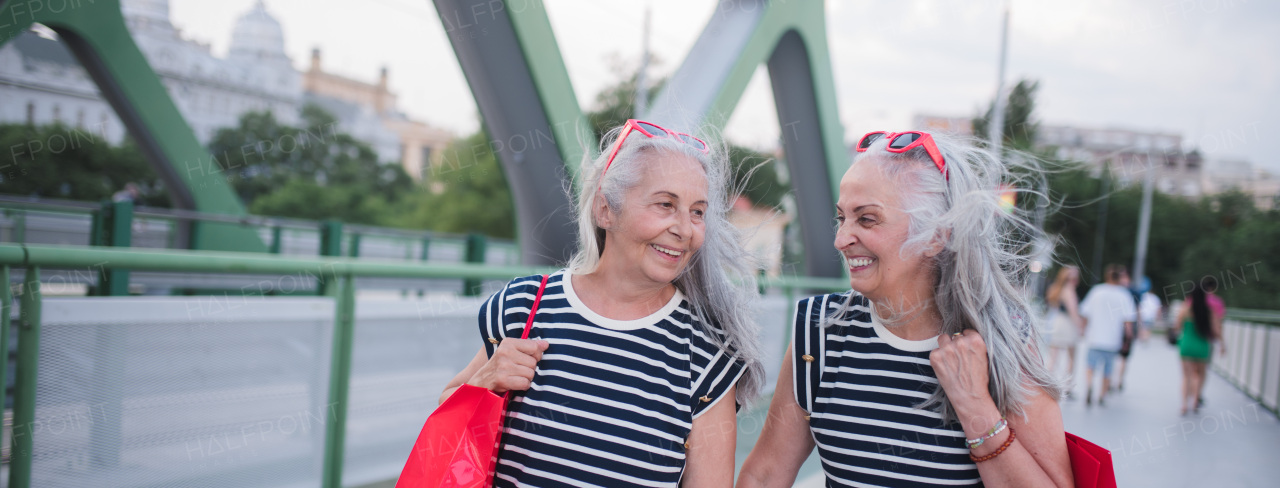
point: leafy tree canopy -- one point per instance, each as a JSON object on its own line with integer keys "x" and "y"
{"x": 1019, "y": 125}
{"x": 58, "y": 161}
{"x": 313, "y": 172}
{"x": 1221, "y": 235}
{"x": 467, "y": 192}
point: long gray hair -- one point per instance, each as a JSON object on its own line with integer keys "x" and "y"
{"x": 719, "y": 281}
{"x": 980, "y": 272}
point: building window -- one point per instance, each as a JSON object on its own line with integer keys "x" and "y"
{"x": 31, "y": 113}
{"x": 57, "y": 113}
{"x": 80, "y": 119}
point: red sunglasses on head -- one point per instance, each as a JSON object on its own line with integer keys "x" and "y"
{"x": 651, "y": 130}
{"x": 900, "y": 142}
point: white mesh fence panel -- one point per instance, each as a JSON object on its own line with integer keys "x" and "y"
{"x": 182, "y": 392}
{"x": 404, "y": 354}
{"x": 211, "y": 391}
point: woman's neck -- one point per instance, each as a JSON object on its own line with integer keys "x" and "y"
{"x": 912, "y": 320}
{"x": 618, "y": 293}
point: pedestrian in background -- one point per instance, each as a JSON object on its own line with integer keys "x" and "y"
{"x": 1108, "y": 311}
{"x": 1199, "y": 325}
{"x": 1150, "y": 309}
{"x": 1064, "y": 320}
{"x": 130, "y": 194}
{"x": 1127, "y": 336}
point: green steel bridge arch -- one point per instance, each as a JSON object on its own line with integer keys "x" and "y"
{"x": 94, "y": 31}
{"x": 508, "y": 53}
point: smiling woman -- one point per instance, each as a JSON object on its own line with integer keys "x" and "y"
{"x": 642, "y": 345}
{"x": 926, "y": 372}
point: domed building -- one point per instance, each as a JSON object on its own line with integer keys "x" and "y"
{"x": 209, "y": 91}
{"x": 42, "y": 83}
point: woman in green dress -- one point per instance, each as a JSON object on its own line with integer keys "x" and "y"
{"x": 1199, "y": 325}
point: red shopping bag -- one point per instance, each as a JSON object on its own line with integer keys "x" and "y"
{"x": 1090, "y": 463}
{"x": 458, "y": 445}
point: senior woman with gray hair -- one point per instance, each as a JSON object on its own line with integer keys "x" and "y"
{"x": 926, "y": 372}
{"x": 642, "y": 345}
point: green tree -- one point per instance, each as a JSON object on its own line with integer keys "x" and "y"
{"x": 57, "y": 161}
{"x": 1188, "y": 238}
{"x": 616, "y": 103}
{"x": 303, "y": 199}
{"x": 1019, "y": 125}
{"x": 1235, "y": 243}
{"x": 466, "y": 193}
{"x": 313, "y": 171}
{"x": 755, "y": 174}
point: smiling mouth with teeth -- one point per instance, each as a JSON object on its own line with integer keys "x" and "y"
{"x": 666, "y": 251}
{"x": 858, "y": 262}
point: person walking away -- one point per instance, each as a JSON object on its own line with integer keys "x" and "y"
{"x": 1199, "y": 325}
{"x": 1107, "y": 310}
{"x": 1126, "y": 340}
{"x": 1149, "y": 312}
{"x": 1064, "y": 319}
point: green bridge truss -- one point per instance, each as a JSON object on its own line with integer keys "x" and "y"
{"x": 509, "y": 55}
{"x": 95, "y": 32}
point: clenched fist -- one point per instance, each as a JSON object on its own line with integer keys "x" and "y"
{"x": 960, "y": 363}
{"x": 511, "y": 366}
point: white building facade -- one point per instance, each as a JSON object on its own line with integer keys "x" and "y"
{"x": 41, "y": 82}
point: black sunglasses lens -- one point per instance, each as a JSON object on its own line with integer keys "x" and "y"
{"x": 690, "y": 140}
{"x": 653, "y": 130}
{"x": 903, "y": 140}
{"x": 870, "y": 139}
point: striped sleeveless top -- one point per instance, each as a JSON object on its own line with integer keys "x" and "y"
{"x": 860, "y": 384}
{"x": 612, "y": 402}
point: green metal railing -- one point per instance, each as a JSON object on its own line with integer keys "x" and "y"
{"x": 111, "y": 222}
{"x": 335, "y": 274}
{"x": 1262, "y": 317}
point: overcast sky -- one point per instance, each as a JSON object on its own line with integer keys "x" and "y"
{"x": 1208, "y": 70}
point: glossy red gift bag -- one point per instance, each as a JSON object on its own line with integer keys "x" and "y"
{"x": 458, "y": 445}
{"x": 1090, "y": 463}
{"x": 459, "y": 442}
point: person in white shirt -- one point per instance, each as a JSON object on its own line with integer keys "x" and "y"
{"x": 1149, "y": 312}
{"x": 1109, "y": 313}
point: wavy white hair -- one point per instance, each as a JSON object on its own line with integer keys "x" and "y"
{"x": 980, "y": 274}
{"x": 719, "y": 280}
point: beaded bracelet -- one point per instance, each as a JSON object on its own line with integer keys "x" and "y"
{"x": 995, "y": 430}
{"x": 988, "y": 457}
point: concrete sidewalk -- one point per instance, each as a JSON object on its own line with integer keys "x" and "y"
{"x": 1232, "y": 442}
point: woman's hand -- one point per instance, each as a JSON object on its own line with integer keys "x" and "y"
{"x": 960, "y": 363}
{"x": 1039, "y": 455}
{"x": 511, "y": 366}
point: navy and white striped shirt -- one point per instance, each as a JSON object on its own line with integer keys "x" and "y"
{"x": 612, "y": 402}
{"x": 867, "y": 383}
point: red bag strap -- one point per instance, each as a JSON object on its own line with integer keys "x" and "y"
{"x": 528, "y": 325}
